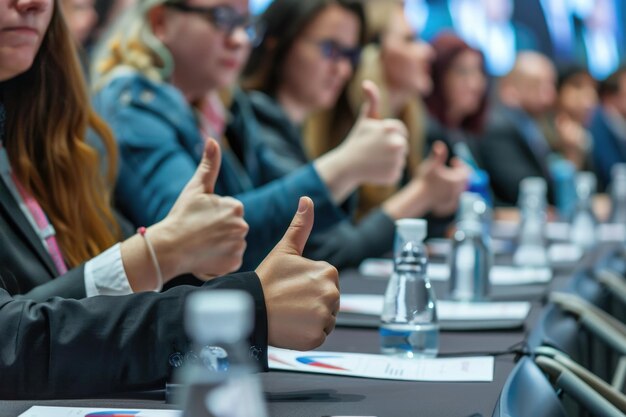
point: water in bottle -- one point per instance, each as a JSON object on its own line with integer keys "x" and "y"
{"x": 618, "y": 194}
{"x": 531, "y": 246}
{"x": 471, "y": 256}
{"x": 583, "y": 226}
{"x": 221, "y": 379}
{"x": 409, "y": 326}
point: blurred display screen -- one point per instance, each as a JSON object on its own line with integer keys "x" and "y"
{"x": 590, "y": 32}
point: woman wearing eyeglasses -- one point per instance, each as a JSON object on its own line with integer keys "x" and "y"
{"x": 158, "y": 81}
{"x": 302, "y": 67}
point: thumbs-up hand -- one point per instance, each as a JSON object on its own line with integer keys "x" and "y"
{"x": 204, "y": 234}
{"x": 301, "y": 295}
{"x": 443, "y": 185}
{"x": 375, "y": 150}
{"x": 371, "y": 107}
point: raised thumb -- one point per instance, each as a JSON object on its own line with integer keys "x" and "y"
{"x": 439, "y": 152}
{"x": 206, "y": 175}
{"x": 300, "y": 228}
{"x": 371, "y": 106}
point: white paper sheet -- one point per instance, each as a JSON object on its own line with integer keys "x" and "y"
{"x": 499, "y": 275}
{"x": 447, "y": 310}
{"x": 564, "y": 253}
{"x": 612, "y": 232}
{"x": 474, "y": 369}
{"x": 38, "y": 411}
{"x": 606, "y": 232}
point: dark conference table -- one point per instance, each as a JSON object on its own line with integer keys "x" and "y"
{"x": 308, "y": 395}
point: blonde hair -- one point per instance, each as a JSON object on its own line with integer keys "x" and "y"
{"x": 327, "y": 130}
{"x": 132, "y": 44}
{"x": 48, "y": 115}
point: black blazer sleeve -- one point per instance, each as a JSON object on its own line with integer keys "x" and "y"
{"x": 70, "y": 285}
{"x": 102, "y": 345}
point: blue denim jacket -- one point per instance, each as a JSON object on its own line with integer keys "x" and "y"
{"x": 161, "y": 146}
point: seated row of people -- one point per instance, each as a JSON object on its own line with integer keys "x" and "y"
{"x": 56, "y": 223}
{"x": 308, "y": 121}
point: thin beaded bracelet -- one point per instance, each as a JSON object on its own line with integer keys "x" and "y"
{"x": 155, "y": 262}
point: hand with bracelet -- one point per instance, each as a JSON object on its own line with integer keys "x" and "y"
{"x": 204, "y": 234}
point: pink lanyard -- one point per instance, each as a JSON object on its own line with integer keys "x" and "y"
{"x": 45, "y": 229}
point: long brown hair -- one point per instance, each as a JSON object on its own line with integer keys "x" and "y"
{"x": 48, "y": 115}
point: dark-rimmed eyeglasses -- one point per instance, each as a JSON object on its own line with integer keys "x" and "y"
{"x": 334, "y": 51}
{"x": 224, "y": 18}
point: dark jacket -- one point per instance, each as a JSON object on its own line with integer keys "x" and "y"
{"x": 161, "y": 146}
{"x": 103, "y": 345}
{"x": 346, "y": 244}
{"x": 435, "y": 131}
{"x": 512, "y": 149}
{"x": 25, "y": 265}
{"x": 609, "y": 147}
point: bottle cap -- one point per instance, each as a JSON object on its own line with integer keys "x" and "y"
{"x": 412, "y": 229}
{"x": 218, "y": 316}
{"x": 534, "y": 185}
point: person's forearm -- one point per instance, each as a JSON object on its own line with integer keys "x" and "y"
{"x": 410, "y": 201}
{"x": 139, "y": 265}
{"x": 334, "y": 172}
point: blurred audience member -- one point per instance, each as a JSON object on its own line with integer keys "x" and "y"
{"x": 81, "y": 17}
{"x": 458, "y": 101}
{"x": 514, "y": 146}
{"x": 399, "y": 63}
{"x": 566, "y": 129}
{"x": 302, "y": 66}
{"x": 609, "y": 125}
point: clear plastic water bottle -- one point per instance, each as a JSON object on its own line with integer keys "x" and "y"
{"x": 618, "y": 194}
{"x": 471, "y": 256}
{"x": 531, "y": 248}
{"x": 584, "y": 222}
{"x": 221, "y": 380}
{"x": 409, "y": 326}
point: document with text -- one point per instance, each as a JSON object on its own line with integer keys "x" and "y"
{"x": 469, "y": 369}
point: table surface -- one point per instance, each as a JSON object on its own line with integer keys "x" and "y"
{"x": 312, "y": 395}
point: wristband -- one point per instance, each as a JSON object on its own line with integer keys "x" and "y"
{"x": 155, "y": 262}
